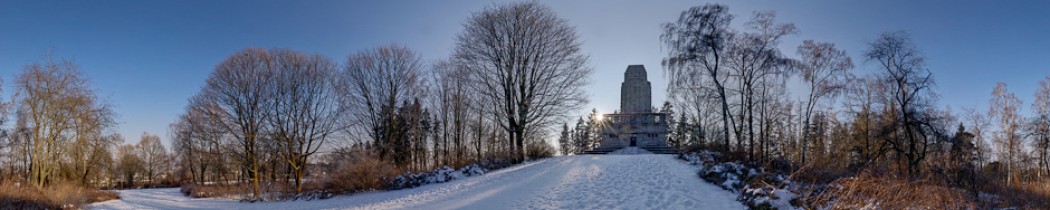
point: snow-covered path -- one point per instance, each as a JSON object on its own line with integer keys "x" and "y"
{"x": 573, "y": 182}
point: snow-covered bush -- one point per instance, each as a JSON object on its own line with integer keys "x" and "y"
{"x": 495, "y": 163}
{"x": 754, "y": 187}
{"x": 439, "y": 175}
{"x": 310, "y": 195}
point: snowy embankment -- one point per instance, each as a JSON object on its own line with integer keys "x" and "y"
{"x": 643, "y": 181}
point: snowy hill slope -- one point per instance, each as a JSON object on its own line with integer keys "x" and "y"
{"x": 643, "y": 181}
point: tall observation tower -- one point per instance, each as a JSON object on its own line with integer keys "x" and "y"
{"x": 636, "y": 125}
{"x": 635, "y": 91}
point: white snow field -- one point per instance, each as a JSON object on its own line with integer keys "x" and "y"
{"x": 643, "y": 181}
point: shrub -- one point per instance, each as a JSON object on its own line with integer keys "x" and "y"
{"x": 538, "y": 150}
{"x": 363, "y": 174}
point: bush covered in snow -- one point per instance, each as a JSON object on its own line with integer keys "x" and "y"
{"x": 754, "y": 187}
{"x": 440, "y": 175}
{"x": 310, "y": 195}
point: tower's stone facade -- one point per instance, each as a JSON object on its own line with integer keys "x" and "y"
{"x": 635, "y": 91}
{"x": 636, "y": 124}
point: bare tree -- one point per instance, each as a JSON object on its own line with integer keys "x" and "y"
{"x": 236, "y": 90}
{"x": 1040, "y": 126}
{"x": 774, "y": 108}
{"x": 451, "y": 98}
{"x": 305, "y": 111}
{"x": 90, "y": 145}
{"x": 754, "y": 55}
{"x": 184, "y": 148}
{"x": 197, "y": 138}
{"x": 697, "y": 45}
{"x": 903, "y": 69}
{"x": 58, "y": 105}
{"x": 376, "y": 81}
{"x": 525, "y": 60}
{"x": 1003, "y": 107}
{"x": 89, "y": 155}
{"x": 979, "y": 123}
{"x": 5, "y": 135}
{"x": 824, "y": 69}
{"x": 128, "y": 164}
{"x": 866, "y": 99}
{"x": 153, "y": 155}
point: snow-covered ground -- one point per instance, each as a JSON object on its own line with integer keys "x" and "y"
{"x": 643, "y": 181}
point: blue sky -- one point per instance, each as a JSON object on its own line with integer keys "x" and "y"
{"x": 148, "y": 57}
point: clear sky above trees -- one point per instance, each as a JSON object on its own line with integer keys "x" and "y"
{"x": 148, "y": 58}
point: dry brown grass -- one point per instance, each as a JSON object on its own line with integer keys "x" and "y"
{"x": 18, "y": 194}
{"x": 819, "y": 173}
{"x": 1026, "y": 196}
{"x": 868, "y": 191}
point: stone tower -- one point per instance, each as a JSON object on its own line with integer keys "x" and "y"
{"x": 634, "y": 91}
{"x": 636, "y": 125}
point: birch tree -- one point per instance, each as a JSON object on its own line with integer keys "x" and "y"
{"x": 823, "y": 69}
{"x": 1003, "y": 108}
{"x": 1040, "y": 127}
{"x": 697, "y": 44}
{"x": 754, "y": 56}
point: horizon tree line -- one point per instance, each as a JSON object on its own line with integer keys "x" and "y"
{"x": 728, "y": 87}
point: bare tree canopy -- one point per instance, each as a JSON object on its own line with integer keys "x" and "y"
{"x": 376, "y": 80}
{"x": 526, "y": 61}
{"x": 1004, "y": 107}
{"x": 57, "y": 107}
{"x": 305, "y": 110}
{"x": 754, "y": 56}
{"x": 903, "y": 68}
{"x": 824, "y": 70}
{"x": 1040, "y": 126}
{"x": 197, "y": 138}
{"x": 238, "y": 91}
{"x": 152, "y": 153}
